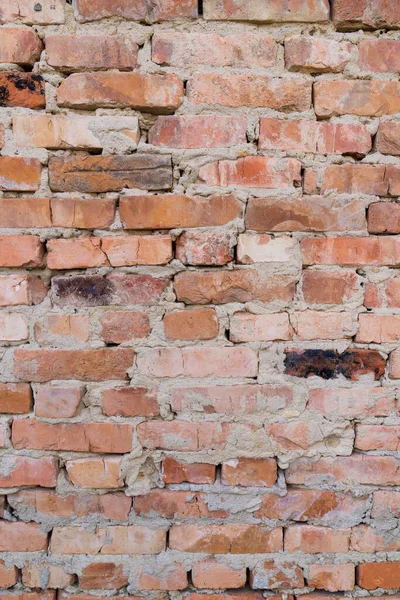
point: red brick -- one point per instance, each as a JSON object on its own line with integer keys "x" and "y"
{"x": 120, "y": 327}
{"x": 312, "y": 324}
{"x": 56, "y": 576}
{"x": 113, "y": 289}
{"x": 211, "y": 131}
{"x": 57, "y": 402}
{"x": 377, "y": 437}
{"x": 379, "y": 180}
{"x": 392, "y": 289}
{"x": 8, "y": 575}
{"x": 379, "y": 56}
{"x": 330, "y": 287}
{"x": 172, "y": 577}
{"x": 15, "y": 398}
{"x": 175, "y": 504}
{"x": 174, "y": 471}
{"x": 372, "y": 297}
{"x": 307, "y": 213}
{"x": 231, "y": 399}
{"x": 198, "y": 362}
{"x": 351, "y": 251}
{"x": 25, "y": 212}
{"x": 62, "y": 329}
{"x": 387, "y": 138}
{"x": 115, "y": 438}
{"x": 205, "y": 248}
{"x": 311, "y": 54}
{"x": 363, "y": 98}
{"x": 29, "y": 472}
{"x": 211, "y": 574}
{"x": 249, "y": 90}
{"x": 221, "y": 287}
{"x": 366, "y": 14}
{"x": 313, "y": 136}
{"x": 76, "y": 52}
{"x": 22, "y": 89}
{"x": 272, "y": 576}
{"x": 191, "y": 324}
{"x": 129, "y": 402}
{"x": 385, "y": 575}
{"x": 322, "y": 506}
{"x": 103, "y": 576}
{"x": 48, "y": 504}
{"x": 332, "y": 578}
{"x": 82, "y": 213}
{"x": 138, "y": 10}
{"x": 132, "y": 539}
{"x": 239, "y": 50}
{"x": 141, "y": 91}
{"x": 21, "y": 251}
{"x": 246, "y": 327}
{"x": 384, "y": 217}
{"x": 367, "y": 539}
{"x": 276, "y": 10}
{"x": 81, "y": 173}
{"x": 314, "y": 540}
{"x": 21, "y": 537}
{"x": 86, "y": 365}
{"x": 19, "y": 174}
{"x": 19, "y": 11}
{"x": 103, "y": 473}
{"x": 257, "y": 472}
{"x": 253, "y": 172}
{"x": 225, "y": 539}
{"x": 351, "y": 403}
{"x": 172, "y": 211}
{"x": 19, "y": 45}
{"x": 350, "y": 470}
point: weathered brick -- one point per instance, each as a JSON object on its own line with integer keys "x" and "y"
{"x": 316, "y": 325}
{"x": 194, "y": 324}
{"x": 57, "y": 402}
{"x": 133, "y": 539}
{"x": 21, "y": 251}
{"x": 191, "y": 49}
{"x": 22, "y": 89}
{"x": 350, "y": 251}
{"x": 204, "y": 248}
{"x": 384, "y": 217}
{"x": 198, "y": 132}
{"x": 114, "y": 438}
{"x": 330, "y": 287}
{"x": 56, "y": 577}
{"x": 246, "y": 327}
{"x": 314, "y": 540}
{"x": 378, "y": 328}
{"x": 215, "y": 575}
{"x": 379, "y": 56}
{"x": 198, "y": 362}
{"x": 351, "y": 403}
{"x": 113, "y": 289}
{"x": 149, "y": 92}
{"x": 387, "y": 138}
{"x": 86, "y": 365}
{"x": 332, "y": 578}
{"x": 328, "y": 364}
{"x": 175, "y": 504}
{"x": 174, "y": 471}
{"x": 257, "y": 472}
{"x": 307, "y": 213}
{"x": 103, "y": 576}
{"x": 16, "y": 471}
{"x": 19, "y": 45}
{"x": 368, "y": 539}
{"x": 120, "y": 327}
{"x": 20, "y": 11}
{"x": 15, "y": 398}
{"x": 64, "y": 132}
{"x": 379, "y": 180}
{"x": 258, "y": 11}
{"x": 170, "y": 211}
{"x": 100, "y": 473}
{"x": 8, "y": 575}
{"x": 181, "y": 435}
{"x": 316, "y": 55}
{"x": 220, "y": 287}
{"x": 225, "y": 539}
{"x": 172, "y": 577}
{"x": 54, "y": 329}
{"x": 129, "y": 402}
{"x": 386, "y": 505}
{"x": 313, "y": 136}
{"x": 80, "y": 52}
{"x": 249, "y": 90}
{"x": 19, "y": 174}
{"x": 137, "y": 10}
{"x": 264, "y": 248}
{"x": 110, "y": 173}
{"x": 368, "y": 14}
{"x": 13, "y": 327}
{"x": 273, "y": 576}
{"x": 357, "y": 97}
{"x": 82, "y": 213}
{"x": 21, "y": 537}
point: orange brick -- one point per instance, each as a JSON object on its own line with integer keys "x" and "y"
{"x": 225, "y": 539}
{"x": 375, "y": 575}
{"x": 314, "y": 540}
{"x": 25, "y": 212}
{"x": 103, "y": 576}
{"x": 191, "y": 324}
{"x": 138, "y": 10}
{"x": 198, "y": 132}
{"x": 15, "y": 398}
{"x": 25, "y": 90}
{"x": 95, "y": 473}
{"x": 21, "y": 251}
{"x": 29, "y": 472}
{"x": 332, "y": 578}
{"x": 76, "y": 52}
{"x": 57, "y": 329}
{"x": 174, "y": 471}
{"x": 356, "y": 97}
{"x": 8, "y": 575}
{"x": 21, "y": 537}
{"x": 253, "y": 172}
{"x": 311, "y": 54}
{"x": 257, "y": 472}
{"x": 19, "y": 45}
{"x": 82, "y": 213}
{"x": 212, "y": 574}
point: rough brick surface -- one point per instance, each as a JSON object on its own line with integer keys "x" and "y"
{"x": 199, "y": 299}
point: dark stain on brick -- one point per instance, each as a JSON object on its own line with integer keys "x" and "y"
{"x": 28, "y": 81}
{"x": 329, "y": 363}
{"x": 84, "y": 290}
{"x": 4, "y": 95}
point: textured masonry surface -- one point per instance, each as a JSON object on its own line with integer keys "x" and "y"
{"x": 200, "y": 299}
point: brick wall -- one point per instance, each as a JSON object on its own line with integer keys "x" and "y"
{"x": 200, "y": 292}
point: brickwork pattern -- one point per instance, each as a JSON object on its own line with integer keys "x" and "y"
{"x": 200, "y": 299}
